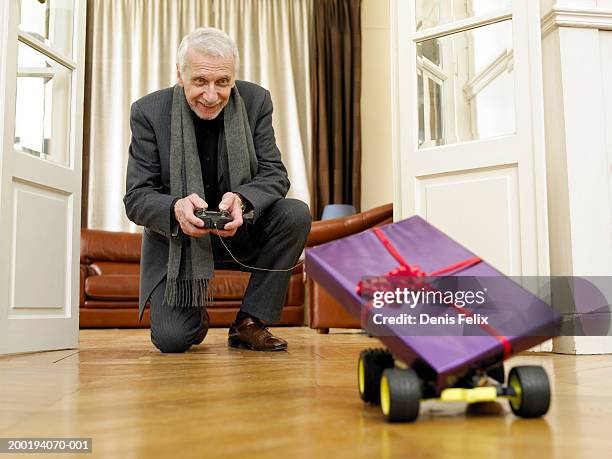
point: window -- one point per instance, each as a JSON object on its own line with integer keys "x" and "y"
{"x": 44, "y": 79}
{"x": 465, "y": 83}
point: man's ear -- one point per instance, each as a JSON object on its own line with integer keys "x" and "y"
{"x": 179, "y": 77}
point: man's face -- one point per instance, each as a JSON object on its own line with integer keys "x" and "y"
{"x": 208, "y": 82}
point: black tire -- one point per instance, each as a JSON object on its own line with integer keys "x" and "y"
{"x": 400, "y": 391}
{"x": 497, "y": 373}
{"x": 532, "y": 389}
{"x": 370, "y": 367}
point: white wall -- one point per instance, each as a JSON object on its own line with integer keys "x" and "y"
{"x": 577, "y": 63}
{"x": 376, "y": 169}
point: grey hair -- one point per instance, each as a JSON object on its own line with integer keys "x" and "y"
{"x": 209, "y": 42}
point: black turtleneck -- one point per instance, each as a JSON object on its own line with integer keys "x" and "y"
{"x": 207, "y": 138}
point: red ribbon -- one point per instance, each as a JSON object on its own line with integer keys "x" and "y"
{"x": 404, "y": 269}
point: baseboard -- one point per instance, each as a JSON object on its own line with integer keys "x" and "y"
{"x": 583, "y": 345}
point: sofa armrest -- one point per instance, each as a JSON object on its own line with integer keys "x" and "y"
{"x": 328, "y": 230}
{"x": 83, "y": 275}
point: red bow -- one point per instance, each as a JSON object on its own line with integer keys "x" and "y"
{"x": 405, "y": 271}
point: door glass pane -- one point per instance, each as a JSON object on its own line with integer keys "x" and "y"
{"x": 49, "y": 21}
{"x": 466, "y": 88}
{"x": 435, "y": 111}
{"x": 432, "y": 13}
{"x": 420, "y": 98}
{"x": 42, "y": 112}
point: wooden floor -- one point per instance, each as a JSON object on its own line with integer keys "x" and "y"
{"x": 220, "y": 402}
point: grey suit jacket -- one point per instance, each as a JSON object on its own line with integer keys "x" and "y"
{"x": 147, "y": 199}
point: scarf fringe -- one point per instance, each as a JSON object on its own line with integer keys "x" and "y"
{"x": 188, "y": 293}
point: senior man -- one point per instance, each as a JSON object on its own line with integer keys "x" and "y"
{"x": 208, "y": 143}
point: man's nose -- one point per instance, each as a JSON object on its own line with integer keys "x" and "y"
{"x": 210, "y": 93}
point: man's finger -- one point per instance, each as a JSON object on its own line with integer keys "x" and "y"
{"x": 195, "y": 221}
{"x": 235, "y": 223}
{"x": 192, "y": 230}
{"x": 227, "y": 201}
{"x": 186, "y": 215}
{"x": 197, "y": 201}
{"x": 187, "y": 210}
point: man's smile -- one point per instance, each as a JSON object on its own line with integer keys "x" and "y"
{"x": 209, "y": 108}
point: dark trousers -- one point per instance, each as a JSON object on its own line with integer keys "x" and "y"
{"x": 275, "y": 241}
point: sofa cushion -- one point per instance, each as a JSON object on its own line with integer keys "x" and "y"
{"x": 105, "y": 304}
{"x": 229, "y": 285}
{"x": 102, "y": 268}
{"x": 112, "y": 287}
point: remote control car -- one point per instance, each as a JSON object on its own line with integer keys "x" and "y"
{"x": 399, "y": 390}
{"x": 466, "y": 365}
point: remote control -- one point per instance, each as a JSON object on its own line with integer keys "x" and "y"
{"x": 212, "y": 219}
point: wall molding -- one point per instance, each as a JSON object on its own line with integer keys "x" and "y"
{"x": 577, "y": 18}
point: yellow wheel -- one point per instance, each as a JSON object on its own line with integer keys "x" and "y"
{"x": 400, "y": 394}
{"x": 371, "y": 364}
{"x": 531, "y": 387}
{"x": 385, "y": 398}
{"x": 361, "y": 376}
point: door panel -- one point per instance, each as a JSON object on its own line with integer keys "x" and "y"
{"x": 41, "y": 216}
{"x": 488, "y": 197}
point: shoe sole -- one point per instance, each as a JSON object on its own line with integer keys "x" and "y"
{"x": 238, "y": 344}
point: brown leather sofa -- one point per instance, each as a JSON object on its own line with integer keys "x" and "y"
{"x": 110, "y": 266}
{"x": 323, "y": 310}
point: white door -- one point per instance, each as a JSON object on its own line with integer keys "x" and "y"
{"x": 42, "y": 53}
{"x": 468, "y": 126}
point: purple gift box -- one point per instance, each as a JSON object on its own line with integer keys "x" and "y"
{"x": 522, "y": 319}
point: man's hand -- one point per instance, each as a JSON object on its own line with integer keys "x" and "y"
{"x": 231, "y": 203}
{"x": 184, "y": 212}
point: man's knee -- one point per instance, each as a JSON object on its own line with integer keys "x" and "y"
{"x": 171, "y": 341}
{"x": 295, "y": 216}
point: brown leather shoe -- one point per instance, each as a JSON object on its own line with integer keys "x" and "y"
{"x": 252, "y": 334}
{"x": 205, "y": 324}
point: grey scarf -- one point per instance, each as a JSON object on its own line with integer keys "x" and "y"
{"x": 191, "y": 266}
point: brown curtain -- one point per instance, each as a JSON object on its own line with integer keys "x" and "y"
{"x": 336, "y": 93}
